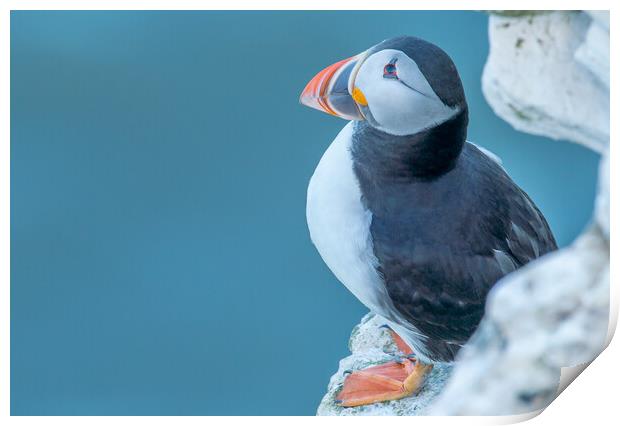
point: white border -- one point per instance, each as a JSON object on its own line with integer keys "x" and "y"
{"x": 591, "y": 398}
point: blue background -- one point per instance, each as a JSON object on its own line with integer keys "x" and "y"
{"x": 160, "y": 258}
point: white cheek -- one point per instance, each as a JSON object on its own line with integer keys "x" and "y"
{"x": 400, "y": 110}
{"x": 384, "y": 99}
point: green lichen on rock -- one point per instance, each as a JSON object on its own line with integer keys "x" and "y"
{"x": 522, "y": 115}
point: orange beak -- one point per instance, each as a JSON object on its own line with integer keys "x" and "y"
{"x": 332, "y": 90}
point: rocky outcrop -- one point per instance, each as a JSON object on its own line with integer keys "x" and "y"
{"x": 547, "y": 74}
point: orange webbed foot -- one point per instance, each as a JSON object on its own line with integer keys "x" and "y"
{"x": 386, "y": 382}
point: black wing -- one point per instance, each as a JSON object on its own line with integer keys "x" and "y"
{"x": 438, "y": 280}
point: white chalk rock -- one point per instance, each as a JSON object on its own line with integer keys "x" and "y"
{"x": 594, "y": 51}
{"x": 602, "y": 197}
{"x": 536, "y": 80}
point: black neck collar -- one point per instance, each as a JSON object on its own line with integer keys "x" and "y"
{"x": 423, "y": 156}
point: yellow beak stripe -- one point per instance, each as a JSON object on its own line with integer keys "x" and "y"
{"x": 359, "y": 97}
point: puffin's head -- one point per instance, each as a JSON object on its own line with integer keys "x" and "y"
{"x": 401, "y": 86}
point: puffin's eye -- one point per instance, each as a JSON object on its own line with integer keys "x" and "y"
{"x": 389, "y": 71}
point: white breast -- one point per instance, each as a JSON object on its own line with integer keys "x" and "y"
{"x": 340, "y": 229}
{"x": 340, "y": 225}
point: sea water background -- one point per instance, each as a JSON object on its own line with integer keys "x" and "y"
{"x": 160, "y": 260}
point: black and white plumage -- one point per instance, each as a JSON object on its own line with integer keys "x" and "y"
{"x": 416, "y": 222}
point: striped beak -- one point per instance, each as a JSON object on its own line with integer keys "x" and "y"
{"x": 333, "y": 90}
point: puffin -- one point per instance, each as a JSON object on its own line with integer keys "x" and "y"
{"x": 417, "y": 222}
